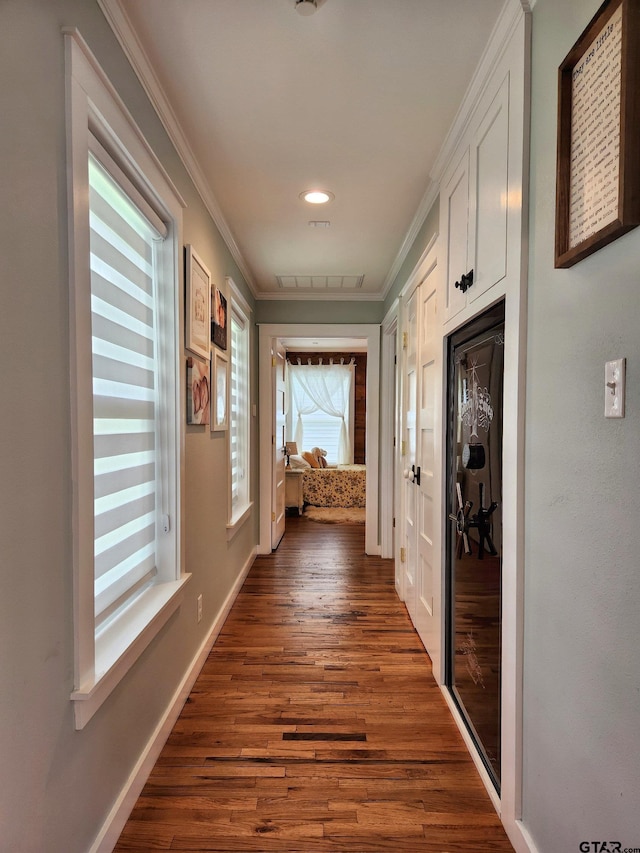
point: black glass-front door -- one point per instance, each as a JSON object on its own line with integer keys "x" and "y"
{"x": 474, "y": 541}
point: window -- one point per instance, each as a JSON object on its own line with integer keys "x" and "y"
{"x": 239, "y": 414}
{"x": 124, "y": 233}
{"x": 321, "y": 408}
{"x": 322, "y": 430}
{"x": 126, "y": 440}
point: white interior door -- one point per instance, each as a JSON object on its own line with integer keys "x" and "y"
{"x": 278, "y": 362}
{"x": 427, "y": 616}
{"x": 409, "y": 546}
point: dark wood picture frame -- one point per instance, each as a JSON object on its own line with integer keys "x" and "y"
{"x": 593, "y": 205}
{"x": 218, "y": 318}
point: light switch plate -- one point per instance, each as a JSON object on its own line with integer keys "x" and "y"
{"x": 614, "y": 389}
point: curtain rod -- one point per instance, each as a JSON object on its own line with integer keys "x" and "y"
{"x": 299, "y": 361}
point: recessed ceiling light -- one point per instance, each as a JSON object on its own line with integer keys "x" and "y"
{"x": 317, "y": 196}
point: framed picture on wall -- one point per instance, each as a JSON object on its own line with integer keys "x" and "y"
{"x": 198, "y": 391}
{"x": 218, "y": 318}
{"x": 598, "y": 168}
{"x": 197, "y": 304}
{"x": 220, "y": 395}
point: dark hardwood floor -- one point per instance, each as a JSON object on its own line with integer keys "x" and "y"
{"x": 315, "y": 724}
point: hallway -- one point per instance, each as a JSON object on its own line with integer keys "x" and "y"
{"x": 315, "y": 724}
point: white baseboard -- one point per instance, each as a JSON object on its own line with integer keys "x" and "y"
{"x": 516, "y": 830}
{"x": 110, "y": 831}
{"x": 468, "y": 740}
{"x": 520, "y": 838}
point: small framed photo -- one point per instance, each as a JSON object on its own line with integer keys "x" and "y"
{"x": 220, "y": 396}
{"x": 198, "y": 304}
{"x": 218, "y": 318}
{"x": 198, "y": 391}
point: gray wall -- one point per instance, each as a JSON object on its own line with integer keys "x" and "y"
{"x": 56, "y": 784}
{"x": 313, "y": 311}
{"x": 427, "y": 231}
{"x": 582, "y": 550}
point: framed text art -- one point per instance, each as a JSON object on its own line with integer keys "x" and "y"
{"x": 198, "y": 304}
{"x": 598, "y": 168}
{"x": 220, "y": 395}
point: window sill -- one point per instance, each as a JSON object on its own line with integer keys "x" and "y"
{"x": 122, "y": 643}
{"x": 238, "y": 520}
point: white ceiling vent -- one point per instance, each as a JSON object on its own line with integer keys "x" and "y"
{"x": 320, "y": 282}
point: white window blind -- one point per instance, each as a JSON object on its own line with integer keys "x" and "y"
{"x": 322, "y": 430}
{"x": 239, "y": 448}
{"x": 123, "y": 235}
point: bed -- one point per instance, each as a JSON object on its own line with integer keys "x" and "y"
{"x": 343, "y": 486}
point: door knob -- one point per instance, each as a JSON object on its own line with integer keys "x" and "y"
{"x": 465, "y": 282}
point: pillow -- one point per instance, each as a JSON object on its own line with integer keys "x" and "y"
{"x": 296, "y": 461}
{"x": 311, "y": 459}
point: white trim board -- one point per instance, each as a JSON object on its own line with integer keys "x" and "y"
{"x": 268, "y": 332}
{"x": 388, "y": 429}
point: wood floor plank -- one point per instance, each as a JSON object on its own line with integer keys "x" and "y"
{"x": 315, "y": 724}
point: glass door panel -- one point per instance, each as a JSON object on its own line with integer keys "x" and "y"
{"x": 474, "y": 542}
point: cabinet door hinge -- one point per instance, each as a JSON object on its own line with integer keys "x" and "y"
{"x": 403, "y": 555}
{"x": 273, "y": 361}
{"x": 394, "y": 523}
{"x": 403, "y": 448}
{"x": 273, "y": 516}
{"x": 405, "y": 340}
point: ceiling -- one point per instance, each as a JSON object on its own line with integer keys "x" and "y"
{"x": 264, "y": 103}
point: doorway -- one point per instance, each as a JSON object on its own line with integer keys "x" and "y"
{"x": 474, "y": 541}
{"x": 269, "y": 336}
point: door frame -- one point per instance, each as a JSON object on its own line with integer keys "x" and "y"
{"x": 267, "y": 332}
{"x": 389, "y": 432}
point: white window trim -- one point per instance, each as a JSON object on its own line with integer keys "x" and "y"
{"x": 240, "y": 304}
{"x": 94, "y": 105}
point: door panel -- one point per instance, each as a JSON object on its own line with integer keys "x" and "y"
{"x": 409, "y": 461}
{"x": 279, "y": 483}
{"x": 490, "y": 152}
{"x": 427, "y": 617}
{"x": 474, "y": 562}
{"x": 456, "y": 198}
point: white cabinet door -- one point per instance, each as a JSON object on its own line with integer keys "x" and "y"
{"x": 489, "y": 195}
{"x": 474, "y": 206}
{"x": 454, "y": 218}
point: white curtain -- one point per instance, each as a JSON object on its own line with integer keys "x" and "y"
{"x": 322, "y": 388}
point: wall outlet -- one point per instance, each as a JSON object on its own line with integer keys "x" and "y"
{"x": 200, "y": 608}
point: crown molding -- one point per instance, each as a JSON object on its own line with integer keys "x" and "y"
{"x": 120, "y": 23}
{"x": 428, "y": 200}
{"x": 506, "y": 24}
